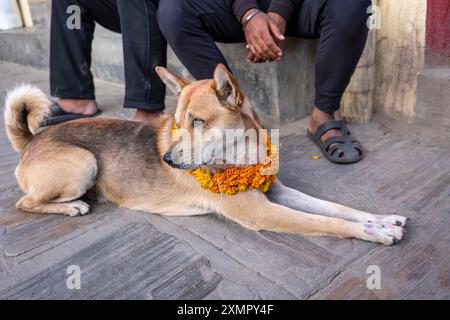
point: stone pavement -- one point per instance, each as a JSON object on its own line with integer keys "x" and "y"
{"x": 136, "y": 255}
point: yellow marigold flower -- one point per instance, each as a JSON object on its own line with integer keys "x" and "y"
{"x": 242, "y": 187}
{"x": 174, "y": 129}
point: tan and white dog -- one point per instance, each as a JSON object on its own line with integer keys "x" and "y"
{"x": 124, "y": 162}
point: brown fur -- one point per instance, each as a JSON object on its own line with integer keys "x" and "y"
{"x": 122, "y": 162}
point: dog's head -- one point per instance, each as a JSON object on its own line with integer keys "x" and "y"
{"x": 209, "y": 112}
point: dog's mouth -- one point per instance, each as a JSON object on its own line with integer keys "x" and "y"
{"x": 209, "y": 168}
{"x": 184, "y": 166}
{"x": 167, "y": 158}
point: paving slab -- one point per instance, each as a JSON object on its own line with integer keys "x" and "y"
{"x": 125, "y": 254}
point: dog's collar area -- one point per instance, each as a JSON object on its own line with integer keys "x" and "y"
{"x": 239, "y": 178}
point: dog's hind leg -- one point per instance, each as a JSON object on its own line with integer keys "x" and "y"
{"x": 54, "y": 177}
{"x": 297, "y": 200}
{"x": 71, "y": 208}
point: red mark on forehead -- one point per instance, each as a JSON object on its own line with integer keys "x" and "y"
{"x": 190, "y": 89}
{"x": 185, "y": 96}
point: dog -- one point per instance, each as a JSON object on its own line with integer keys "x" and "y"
{"x": 127, "y": 163}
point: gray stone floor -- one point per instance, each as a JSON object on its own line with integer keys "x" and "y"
{"x": 135, "y": 255}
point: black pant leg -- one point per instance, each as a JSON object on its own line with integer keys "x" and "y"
{"x": 70, "y": 49}
{"x": 70, "y": 58}
{"x": 341, "y": 27}
{"x": 144, "y": 48}
{"x": 192, "y": 29}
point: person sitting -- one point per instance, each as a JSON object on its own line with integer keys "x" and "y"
{"x": 192, "y": 29}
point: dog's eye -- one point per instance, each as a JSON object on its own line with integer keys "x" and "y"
{"x": 197, "y": 122}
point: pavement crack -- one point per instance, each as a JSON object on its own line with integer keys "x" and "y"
{"x": 346, "y": 267}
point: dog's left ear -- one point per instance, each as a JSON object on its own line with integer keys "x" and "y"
{"x": 227, "y": 88}
{"x": 172, "y": 81}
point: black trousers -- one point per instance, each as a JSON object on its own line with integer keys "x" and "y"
{"x": 144, "y": 48}
{"x": 192, "y": 27}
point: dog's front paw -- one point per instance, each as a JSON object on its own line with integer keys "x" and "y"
{"x": 386, "y": 234}
{"x": 77, "y": 208}
{"x": 396, "y": 220}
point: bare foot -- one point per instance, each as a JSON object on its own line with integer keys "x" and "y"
{"x": 317, "y": 119}
{"x": 146, "y": 116}
{"x": 86, "y": 107}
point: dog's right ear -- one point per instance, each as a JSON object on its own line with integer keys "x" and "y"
{"x": 173, "y": 82}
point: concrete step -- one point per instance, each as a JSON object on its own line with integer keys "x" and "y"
{"x": 433, "y": 96}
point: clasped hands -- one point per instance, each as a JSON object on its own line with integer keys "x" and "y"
{"x": 264, "y": 34}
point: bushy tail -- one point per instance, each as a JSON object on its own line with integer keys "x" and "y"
{"x": 26, "y": 108}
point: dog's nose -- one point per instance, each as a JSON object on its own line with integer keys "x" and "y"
{"x": 168, "y": 158}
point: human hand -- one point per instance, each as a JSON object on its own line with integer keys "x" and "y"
{"x": 280, "y": 22}
{"x": 262, "y": 34}
{"x": 278, "y": 37}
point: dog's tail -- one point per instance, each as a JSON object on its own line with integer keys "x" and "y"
{"x": 26, "y": 108}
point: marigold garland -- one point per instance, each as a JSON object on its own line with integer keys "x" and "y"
{"x": 235, "y": 179}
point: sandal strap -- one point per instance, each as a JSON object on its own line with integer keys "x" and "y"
{"x": 334, "y": 151}
{"x": 337, "y": 139}
{"x": 330, "y": 125}
{"x": 56, "y": 110}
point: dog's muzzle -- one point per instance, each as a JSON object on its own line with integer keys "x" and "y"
{"x": 167, "y": 158}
